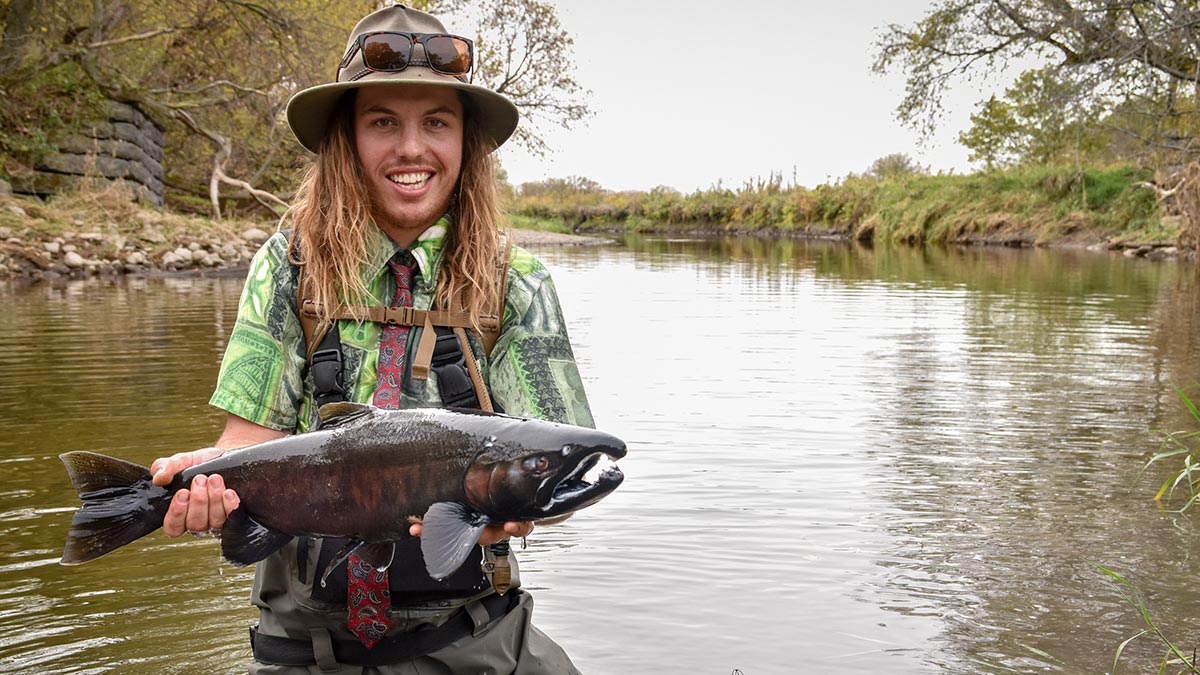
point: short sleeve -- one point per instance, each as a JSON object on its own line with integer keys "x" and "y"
{"x": 260, "y": 377}
{"x": 532, "y": 368}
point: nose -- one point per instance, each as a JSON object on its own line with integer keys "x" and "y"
{"x": 409, "y": 143}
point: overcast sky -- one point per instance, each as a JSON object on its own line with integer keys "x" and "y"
{"x": 757, "y": 86}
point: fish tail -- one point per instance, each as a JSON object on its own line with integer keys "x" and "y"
{"x": 120, "y": 504}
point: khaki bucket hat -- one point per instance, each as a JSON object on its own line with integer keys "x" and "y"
{"x": 308, "y": 111}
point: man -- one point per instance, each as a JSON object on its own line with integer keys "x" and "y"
{"x": 398, "y": 207}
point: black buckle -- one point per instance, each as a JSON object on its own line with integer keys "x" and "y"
{"x": 326, "y": 369}
{"x": 446, "y": 350}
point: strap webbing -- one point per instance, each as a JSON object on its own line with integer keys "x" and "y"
{"x": 401, "y": 316}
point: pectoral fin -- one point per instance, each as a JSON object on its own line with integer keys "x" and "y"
{"x": 448, "y": 533}
{"x": 245, "y": 541}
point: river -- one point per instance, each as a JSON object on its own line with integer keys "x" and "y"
{"x": 842, "y": 460}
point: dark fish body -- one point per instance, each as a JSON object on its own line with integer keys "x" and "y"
{"x": 363, "y": 476}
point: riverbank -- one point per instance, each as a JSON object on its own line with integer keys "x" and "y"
{"x": 1117, "y": 209}
{"x": 105, "y": 234}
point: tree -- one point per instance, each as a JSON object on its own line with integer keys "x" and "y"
{"x": 561, "y": 187}
{"x": 524, "y": 53}
{"x": 1140, "y": 53}
{"x": 1041, "y": 121}
{"x": 214, "y": 74}
{"x": 895, "y": 166}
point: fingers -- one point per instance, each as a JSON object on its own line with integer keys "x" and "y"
{"x": 494, "y": 533}
{"x": 174, "y": 522}
{"x": 198, "y": 514}
{"x": 518, "y": 529}
{"x": 232, "y": 501}
{"x": 216, "y": 501}
{"x": 204, "y": 507}
{"x": 164, "y": 469}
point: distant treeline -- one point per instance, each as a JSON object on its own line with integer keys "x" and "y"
{"x": 898, "y": 203}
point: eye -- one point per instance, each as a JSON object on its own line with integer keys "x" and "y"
{"x": 436, "y": 123}
{"x": 539, "y": 463}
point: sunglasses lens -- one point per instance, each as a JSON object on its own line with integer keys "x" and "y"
{"x": 387, "y": 51}
{"x": 448, "y": 55}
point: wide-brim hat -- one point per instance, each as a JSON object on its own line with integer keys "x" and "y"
{"x": 308, "y": 111}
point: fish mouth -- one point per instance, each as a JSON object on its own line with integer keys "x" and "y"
{"x": 579, "y": 488}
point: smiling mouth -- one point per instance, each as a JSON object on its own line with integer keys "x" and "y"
{"x": 414, "y": 180}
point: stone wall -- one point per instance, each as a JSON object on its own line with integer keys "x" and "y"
{"x": 127, "y": 148}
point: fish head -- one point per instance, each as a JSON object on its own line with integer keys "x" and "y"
{"x": 533, "y": 470}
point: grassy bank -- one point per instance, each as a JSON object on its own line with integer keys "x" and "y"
{"x": 103, "y": 232}
{"x": 1026, "y": 207}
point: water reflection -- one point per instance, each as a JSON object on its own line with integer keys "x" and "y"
{"x": 842, "y": 459}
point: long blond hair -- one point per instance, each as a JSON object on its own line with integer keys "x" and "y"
{"x": 332, "y": 224}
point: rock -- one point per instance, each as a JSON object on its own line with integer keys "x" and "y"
{"x": 73, "y": 260}
{"x": 1163, "y": 253}
{"x": 170, "y": 259}
{"x": 211, "y": 260}
{"x": 92, "y": 237}
{"x": 136, "y": 258}
{"x": 70, "y": 247}
{"x": 6, "y": 233}
{"x": 229, "y": 251}
{"x": 5, "y": 188}
{"x": 183, "y": 256}
{"x": 15, "y": 210}
{"x": 255, "y": 236}
{"x": 194, "y": 246}
{"x": 52, "y": 247}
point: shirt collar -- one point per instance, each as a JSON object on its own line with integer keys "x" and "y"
{"x": 427, "y": 250}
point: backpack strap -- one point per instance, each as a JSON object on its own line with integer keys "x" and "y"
{"x": 443, "y": 345}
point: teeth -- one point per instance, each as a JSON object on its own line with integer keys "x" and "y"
{"x": 411, "y": 180}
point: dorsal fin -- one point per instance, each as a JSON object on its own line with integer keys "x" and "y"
{"x": 341, "y": 414}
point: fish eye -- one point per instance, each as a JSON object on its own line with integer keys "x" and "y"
{"x": 539, "y": 463}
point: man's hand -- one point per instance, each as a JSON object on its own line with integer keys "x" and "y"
{"x": 204, "y": 506}
{"x": 207, "y": 503}
{"x": 492, "y": 533}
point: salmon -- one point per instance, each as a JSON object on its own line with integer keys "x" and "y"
{"x": 366, "y": 475}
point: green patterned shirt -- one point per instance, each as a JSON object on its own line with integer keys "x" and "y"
{"x": 531, "y": 371}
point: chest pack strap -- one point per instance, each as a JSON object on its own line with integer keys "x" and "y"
{"x": 443, "y": 347}
{"x": 325, "y": 363}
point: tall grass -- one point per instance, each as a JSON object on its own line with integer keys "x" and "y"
{"x": 1026, "y": 206}
{"x": 1185, "y": 445}
{"x": 1174, "y": 656}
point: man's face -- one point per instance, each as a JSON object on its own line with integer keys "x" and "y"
{"x": 409, "y": 140}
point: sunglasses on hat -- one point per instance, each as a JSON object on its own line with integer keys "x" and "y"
{"x": 391, "y": 51}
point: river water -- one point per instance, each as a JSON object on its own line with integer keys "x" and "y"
{"x": 842, "y": 460}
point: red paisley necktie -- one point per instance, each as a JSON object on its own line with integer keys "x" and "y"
{"x": 394, "y": 339}
{"x": 368, "y": 601}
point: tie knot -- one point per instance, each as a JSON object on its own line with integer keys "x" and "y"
{"x": 403, "y": 267}
{"x": 402, "y": 260}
